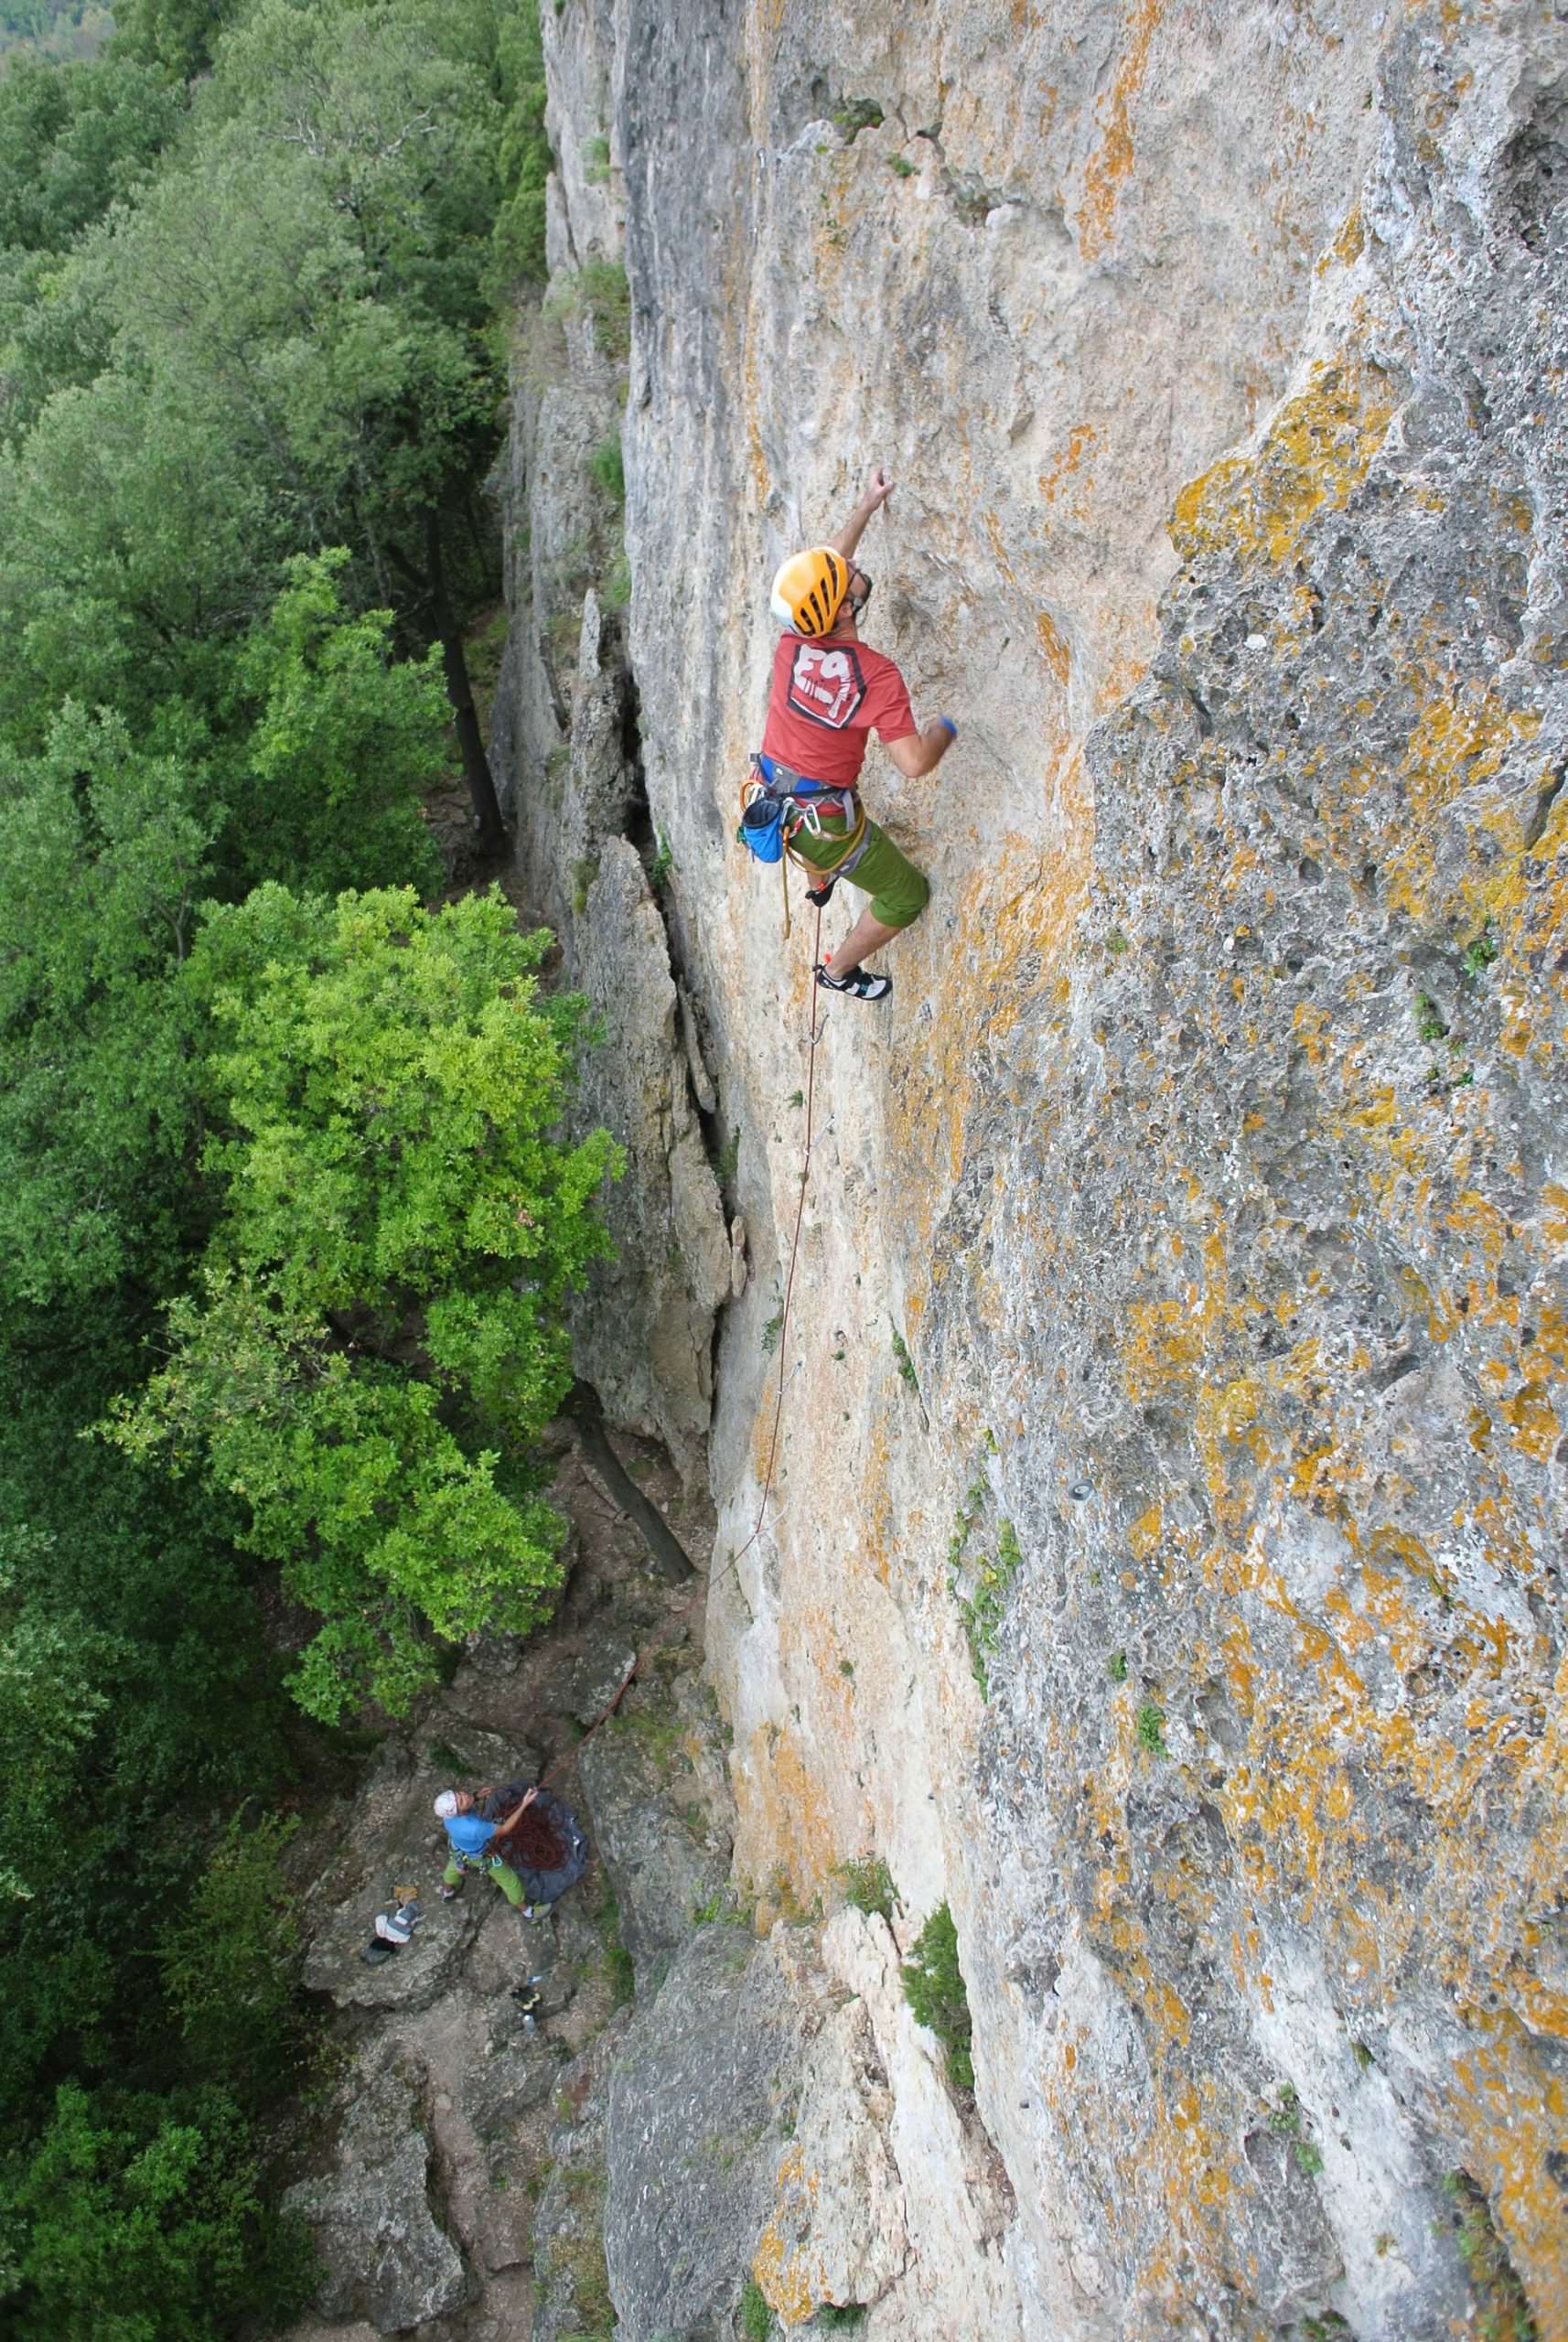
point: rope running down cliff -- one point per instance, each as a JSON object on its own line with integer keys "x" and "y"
{"x": 813, "y": 1035}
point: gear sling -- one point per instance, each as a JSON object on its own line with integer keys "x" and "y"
{"x": 776, "y": 801}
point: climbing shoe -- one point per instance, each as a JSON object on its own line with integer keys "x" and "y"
{"x": 860, "y": 985}
{"x": 449, "y": 1894}
{"x": 823, "y": 894}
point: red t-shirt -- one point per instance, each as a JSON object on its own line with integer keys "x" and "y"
{"x": 827, "y": 699}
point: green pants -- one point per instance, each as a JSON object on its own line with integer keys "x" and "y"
{"x": 506, "y": 1880}
{"x": 898, "y": 892}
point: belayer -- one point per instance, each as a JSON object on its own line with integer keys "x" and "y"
{"x": 525, "y": 1840}
{"x": 830, "y": 692}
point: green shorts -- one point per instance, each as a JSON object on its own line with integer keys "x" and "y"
{"x": 898, "y": 892}
{"x": 505, "y": 1877}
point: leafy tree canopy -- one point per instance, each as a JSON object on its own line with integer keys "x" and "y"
{"x": 73, "y": 140}
{"x": 139, "y": 2220}
{"x": 101, "y": 858}
{"x": 345, "y": 739}
{"x": 379, "y": 1332}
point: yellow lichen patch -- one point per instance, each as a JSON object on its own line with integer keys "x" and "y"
{"x": 1351, "y": 242}
{"x": 1317, "y": 451}
{"x": 1532, "y": 1419}
{"x": 1112, "y": 158}
{"x": 1458, "y": 741}
{"x": 1143, "y": 1537}
{"x": 1125, "y": 673}
{"x": 1079, "y": 440}
{"x": 1053, "y": 643}
{"x": 790, "y": 2279}
{"x": 1515, "y": 2125}
{"x": 783, "y": 1805}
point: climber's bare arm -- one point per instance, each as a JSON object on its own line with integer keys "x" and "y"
{"x": 879, "y": 489}
{"x": 918, "y": 753}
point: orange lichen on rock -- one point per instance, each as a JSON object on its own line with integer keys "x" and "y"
{"x": 1317, "y": 451}
{"x": 789, "y": 2279}
{"x": 1112, "y": 158}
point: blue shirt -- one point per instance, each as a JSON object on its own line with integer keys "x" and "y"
{"x": 468, "y": 1832}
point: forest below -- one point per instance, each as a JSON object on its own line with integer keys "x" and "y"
{"x": 288, "y": 1210}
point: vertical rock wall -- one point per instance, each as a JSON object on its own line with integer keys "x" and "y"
{"x": 1165, "y": 1564}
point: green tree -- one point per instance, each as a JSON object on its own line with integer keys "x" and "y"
{"x": 73, "y": 140}
{"x": 524, "y": 160}
{"x": 378, "y": 1336}
{"x": 139, "y": 1692}
{"x": 180, "y": 35}
{"x": 140, "y": 2220}
{"x": 345, "y": 739}
{"x": 314, "y": 279}
{"x": 53, "y": 1676}
{"x": 100, "y": 863}
{"x": 135, "y": 546}
{"x": 229, "y": 1963}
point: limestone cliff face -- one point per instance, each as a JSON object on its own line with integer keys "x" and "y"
{"x": 1190, "y": 1615}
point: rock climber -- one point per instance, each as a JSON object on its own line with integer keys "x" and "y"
{"x": 525, "y": 1839}
{"x": 830, "y": 692}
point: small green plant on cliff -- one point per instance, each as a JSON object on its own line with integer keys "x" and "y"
{"x": 1504, "y": 2310}
{"x": 1479, "y": 953}
{"x": 1429, "y": 1021}
{"x": 867, "y": 1883}
{"x": 934, "y": 1988}
{"x": 606, "y": 468}
{"x": 840, "y": 2317}
{"x": 902, "y": 166}
{"x": 983, "y": 1611}
{"x": 771, "y": 1332}
{"x": 1285, "y": 2122}
{"x": 597, "y": 160}
{"x": 606, "y": 296}
{"x": 727, "y": 1160}
{"x": 856, "y": 114}
{"x": 756, "y": 2317}
{"x": 902, "y": 1359}
{"x": 1152, "y": 1730}
{"x": 615, "y": 1959}
{"x": 1116, "y": 1667}
{"x": 1116, "y": 943}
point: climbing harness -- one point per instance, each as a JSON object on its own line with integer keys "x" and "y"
{"x": 777, "y": 804}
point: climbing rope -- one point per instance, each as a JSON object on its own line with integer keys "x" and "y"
{"x": 813, "y": 1035}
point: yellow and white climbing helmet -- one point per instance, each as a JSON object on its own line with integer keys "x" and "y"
{"x": 809, "y": 589}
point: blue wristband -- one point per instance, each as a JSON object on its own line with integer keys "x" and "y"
{"x": 951, "y": 727}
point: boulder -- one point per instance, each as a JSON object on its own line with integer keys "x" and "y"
{"x": 700, "y": 2102}
{"x": 385, "y": 2256}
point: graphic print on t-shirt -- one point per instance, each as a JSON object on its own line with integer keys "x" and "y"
{"x": 825, "y": 686}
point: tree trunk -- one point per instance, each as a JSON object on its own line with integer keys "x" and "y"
{"x": 459, "y": 691}
{"x": 587, "y": 1415}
